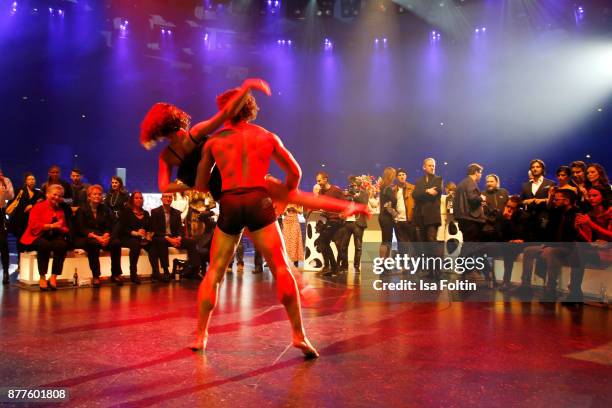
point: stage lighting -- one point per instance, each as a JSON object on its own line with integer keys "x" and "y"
{"x": 270, "y": 7}
{"x": 296, "y": 8}
{"x": 350, "y": 8}
{"x": 328, "y": 45}
{"x": 325, "y": 8}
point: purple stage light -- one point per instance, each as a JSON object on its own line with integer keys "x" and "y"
{"x": 278, "y": 42}
{"x": 276, "y": 3}
{"x": 61, "y": 12}
{"x": 477, "y": 30}
{"x": 484, "y": 29}
{"x": 170, "y": 32}
{"x": 206, "y": 37}
{"x": 51, "y": 10}
{"x": 163, "y": 30}
{"x": 289, "y": 42}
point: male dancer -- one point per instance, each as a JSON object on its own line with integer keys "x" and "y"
{"x": 243, "y": 153}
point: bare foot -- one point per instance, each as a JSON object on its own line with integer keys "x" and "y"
{"x": 198, "y": 344}
{"x": 307, "y": 348}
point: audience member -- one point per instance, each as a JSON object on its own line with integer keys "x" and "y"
{"x": 94, "y": 228}
{"x": 6, "y": 193}
{"x": 134, "y": 231}
{"x": 560, "y": 229}
{"x": 386, "y": 217}
{"x": 117, "y": 196}
{"x": 292, "y": 234}
{"x": 332, "y": 230}
{"x": 46, "y": 233}
{"x": 20, "y": 208}
{"x": 535, "y": 198}
{"x": 79, "y": 189}
{"x": 354, "y": 225}
{"x": 168, "y": 231}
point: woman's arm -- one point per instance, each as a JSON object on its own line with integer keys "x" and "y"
{"x": 202, "y": 129}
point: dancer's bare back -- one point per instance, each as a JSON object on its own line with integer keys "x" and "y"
{"x": 243, "y": 153}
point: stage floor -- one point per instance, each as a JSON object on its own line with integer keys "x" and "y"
{"x": 125, "y": 346}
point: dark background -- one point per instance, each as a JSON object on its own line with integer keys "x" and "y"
{"x": 537, "y": 84}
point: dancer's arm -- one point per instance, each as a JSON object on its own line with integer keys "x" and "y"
{"x": 287, "y": 163}
{"x": 202, "y": 129}
{"x": 204, "y": 168}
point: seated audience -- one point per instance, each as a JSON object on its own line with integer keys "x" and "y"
{"x": 47, "y": 233}
{"x": 116, "y": 197}
{"x": 560, "y": 228}
{"x": 168, "y": 231}
{"x": 94, "y": 227}
{"x": 25, "y": 199}
{"x": 509, "y": 227}
{"x": 595, "y": 226}
{"x": 134, "y": 231}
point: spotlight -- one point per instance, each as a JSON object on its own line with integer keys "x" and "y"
{"x": 60, "y": 12}
{"x": 328, "y": 45}
{"x": 289, "y": 42}
{"x": 325, "y": 8}
{"x": 350, "y": 8}
{"x": 206, "y": 37}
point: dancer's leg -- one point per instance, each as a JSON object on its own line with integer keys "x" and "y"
{"x": 269, "y": 242}
{"x": 281, "y": 196}
{"x": 222, "y": 249}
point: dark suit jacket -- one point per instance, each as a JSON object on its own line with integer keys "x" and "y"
{"x": 158, "y": 222}
{"x": 427, "y": 207}
{"x": 542, "y": 192}
{"x": 468, "y": 201}
{"x": 86, "y": 223}
{"x": 361, "y": 219}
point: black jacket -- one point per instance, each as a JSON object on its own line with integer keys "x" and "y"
{"x": 496, "y": 200}
{"x": 427, "y": 207}
{"x": 158, "y": 222}
{"x": 128, "y": 222}
{"x": 86, "y": 223}
{"x": 468, "y": 201}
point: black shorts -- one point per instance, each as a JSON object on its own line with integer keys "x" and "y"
{"x": 245, "y": 207}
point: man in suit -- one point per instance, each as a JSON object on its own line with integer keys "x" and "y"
{"x": 168, "y": 231}
{"x": 535, "y": 194}
{"x": 427, "y": 193}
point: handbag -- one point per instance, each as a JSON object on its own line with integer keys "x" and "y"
{"x": 10, "y": 209}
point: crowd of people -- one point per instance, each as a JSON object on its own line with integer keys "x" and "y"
{"x": 65, "y": 215}
{"x": 62, "y": 215}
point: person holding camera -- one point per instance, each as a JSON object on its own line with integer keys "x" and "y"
{"x": 353, "y": 226}
{"x": 494, "y": 202}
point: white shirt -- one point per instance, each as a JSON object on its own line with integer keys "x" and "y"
{"x": 535, "y": 185}
{"x": 6, "y": 191}
{"x": 401, "y": 205}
